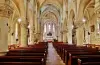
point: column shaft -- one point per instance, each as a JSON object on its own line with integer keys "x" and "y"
{"x": 24, "y": 35}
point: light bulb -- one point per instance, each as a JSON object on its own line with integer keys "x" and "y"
{"x": 84, "y": 20}
{"x": 19, "y": 20}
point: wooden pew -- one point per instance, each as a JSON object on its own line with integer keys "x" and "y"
{"x": 24, "y": 54}
{"x": 43, "y": 55}
{"x": 89, "y": 60}
{"x": 60, "y": 47}
{"x": 21, "y": 59}
{"x": 63, "y": 50}
{"x": 91, "y": 63}
{"x": 33, "y": 55}
{"x": 29, "y": 50}
{"x": 75, "y": 58}
{"x": 35, "y": 51}
{"x": 21, "y": 63}
{"x": 15, "y": 59}
{"x": 71, "y": 59}
{"x": 66, "y": 52}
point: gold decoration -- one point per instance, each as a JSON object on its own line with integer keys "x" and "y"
{"x": 5, "y": 10}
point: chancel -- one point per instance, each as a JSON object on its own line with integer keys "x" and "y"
{"x": 49, "y": 32}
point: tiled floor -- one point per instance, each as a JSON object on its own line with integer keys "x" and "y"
{"x": 53, "y": 58}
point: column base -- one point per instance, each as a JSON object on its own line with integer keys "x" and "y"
{"x": 3, "y": 53}
{"x": 30, "y": 44}
{"x": 23, "y": 45}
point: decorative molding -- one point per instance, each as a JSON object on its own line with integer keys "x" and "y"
{"x": 24, "y": 25}
{"x": 5, "y": 10}
{"x": 97, "y": 9}
{"x": 64, "y": 31}
{"x": 78, "y": 25}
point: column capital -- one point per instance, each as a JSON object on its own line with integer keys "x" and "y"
{"x": 24, "y": 24}
{"x": 5, "y": 10}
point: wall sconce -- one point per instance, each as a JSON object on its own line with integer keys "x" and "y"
{"x": 72, "y": 26}
{"x": 19, "y": 20}
{"x": 84, "y": 20}
{"x": 29, "y": 26}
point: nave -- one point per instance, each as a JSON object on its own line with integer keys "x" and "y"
{"x": 26, "y": 27}
{"x": 53, "y": 58}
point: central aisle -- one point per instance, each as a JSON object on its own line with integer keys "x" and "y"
{"x": 53, "y": 58}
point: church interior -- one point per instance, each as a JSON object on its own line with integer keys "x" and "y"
{"x": 49, "y": 32}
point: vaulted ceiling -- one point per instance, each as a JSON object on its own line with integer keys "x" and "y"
{"x": 54, "y": 6}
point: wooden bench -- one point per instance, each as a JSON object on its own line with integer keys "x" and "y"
{"x": 79, "y": 49}
{"x": 25, "y": 54}
{"x": 29, "y": 50}
{"x": 71, "y": 57}
{"x": 22, "y": 59}
{"x": 69, "y": 53}
{"x": 89, "y": 60}
{"x": 66, "y": 53}
{"x": 21, "y": 63}
{"x": 91, "y": 63}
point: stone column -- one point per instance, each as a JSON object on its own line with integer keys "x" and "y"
{"x": 31, "y": 24}
{"x": 42, "y": 30}
{"x": 35, "y": 21}
{"x": 64, "y": 37}
{"x": 9, "y": 37}
{"x": 4, "y": 19}
{"x": 3, "y": 36}
{"x": 39, "y": 27}
{"x": 58, "y": 33}
{"x": 61, "y": 33}
{"x": 69, "y": 34}
{"x": 24, "y": 23}
{"x": 80, "y": 35}
{"x": 38, "y": 30}
{"x": 13, "y": 40}
{"x": 9, "y": 32}
{"x": 24, "y": 33}
{"x": 31, "y": 33}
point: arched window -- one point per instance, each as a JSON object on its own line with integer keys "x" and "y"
{"x": 49, "y": 27}
{"x": 53, "y": 28}
{"x": 16, "y": 31}
{"x": 45, "y": 28}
